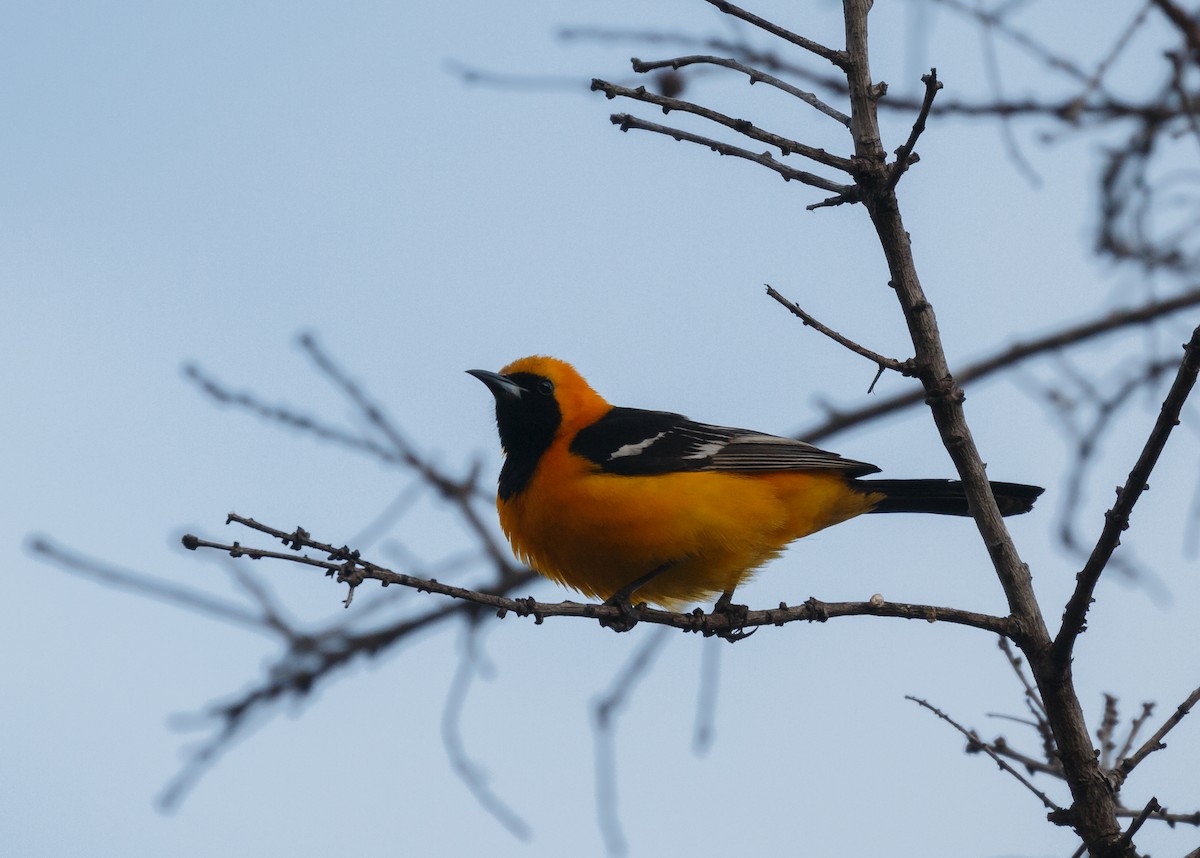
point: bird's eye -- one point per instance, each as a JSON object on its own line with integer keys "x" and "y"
{"x": 546, "y": 387}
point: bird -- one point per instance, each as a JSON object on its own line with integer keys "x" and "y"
{"x": 630, "y": 505}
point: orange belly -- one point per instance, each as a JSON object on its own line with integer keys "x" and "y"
{"x": 598, "y": 532}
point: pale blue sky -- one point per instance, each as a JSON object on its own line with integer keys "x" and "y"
{"x": 202, "y": 182}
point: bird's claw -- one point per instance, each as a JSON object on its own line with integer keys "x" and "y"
{"x": 627, "y": 617}
{"x": 736, "y": 615}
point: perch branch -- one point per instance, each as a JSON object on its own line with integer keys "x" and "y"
{"x": 345, "y": 566}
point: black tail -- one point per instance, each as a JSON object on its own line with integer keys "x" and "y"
{"x": 945, "y": 497}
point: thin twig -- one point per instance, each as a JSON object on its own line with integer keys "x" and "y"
{"x": 1135, "y": 727}
{"x": 396, "y": 451}
{"x": 1000, "y": 746}
{"x": 143, "y": 584}
{"x": 458, "y": 492}
{"x": 1127, "y": 837}
{"x": 1093, "y": 83}
{"x": 1108, "y": 726}
{"x": 1116, "y": 520}
{"x": 1008, "y": 356}
{"x": 1164, "y": 815}
{"x": 991, "y": 65}
{"x": 904, "y": 155}
{"x": 1105, "y": 108}
{"x": 469, "y": 772}
{"x": 285, "y": 416}
{"x": 846, "y": 197}
{"x": 1088, "y": 442}
{"x": 902, "y": 367}
{"x": 1033, "y": 701}
{"x": 1155, "y": 742}
{"x": 838, "y": 58}
{"x": 974, "y": 741}
{"x": 994, "y": 21}
{"x": 742, "y": 126}
{"x": 1015, "y": 663}
{"x": 755, "y": 75}
{"x": 627, "y": 122}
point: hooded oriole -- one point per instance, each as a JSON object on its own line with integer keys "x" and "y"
{"x": 623, "y": 503}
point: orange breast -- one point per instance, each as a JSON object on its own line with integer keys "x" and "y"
{"x": 598, "y": 532}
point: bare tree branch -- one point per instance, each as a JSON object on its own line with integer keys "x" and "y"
{"x": 468, "y": 771}
{"x": 1164, "y": 815}
{"x": 976, "y": 744}
{"x": 1010, "y": 356}
{"x": 1086, "y": 438}
{"x": 742, "y": 126}
{"x": 1155, "y": 742}
{"x": 1135, "y": 727}
{"x": 1000, "y": 746}
{"x": 1127, "y": 838}
{"x": 993, "y": 21}
{"x": 904, "y": 155}
{"x": 991, "y": 65}
{"x": 755, "y": 75}
{"x": 394, "y": 450}
{"x": 626, "y": 122}
{"x": 838, "y": 58}
{"x": 184, "y": 597}
{"x": 1093, "y": 811}
{"x": 346, "y": 566}
{"x": 1108, "y": 726}
{"x": 1187, "y": 24}
{"x": 1116, "y": 520}
{"x": 284, "y": 416}
{"x": 459, "y": 493}
{"x": 1126, "y": 235}
{"x": 1031, "y": 694}
{"x": 902, "y": 367}
{"x": 1101, "y": 107}
{"x": 1118, "y": 48}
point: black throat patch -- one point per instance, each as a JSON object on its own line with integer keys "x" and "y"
{"x": 527, "y": 425}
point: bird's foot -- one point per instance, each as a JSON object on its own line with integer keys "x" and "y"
{"x": 627, "y": 614}
{"x": 736, "y": 615}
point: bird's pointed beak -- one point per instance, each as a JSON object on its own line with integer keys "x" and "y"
{"x": 501, "y": 386}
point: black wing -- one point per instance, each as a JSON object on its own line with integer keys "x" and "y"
{"x": 631, "y": 442}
